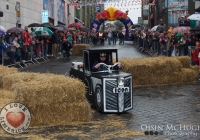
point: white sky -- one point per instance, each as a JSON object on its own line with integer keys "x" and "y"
{"x": 134, "y": 7}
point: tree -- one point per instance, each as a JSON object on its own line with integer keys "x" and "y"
{"x": 119, "y": 25}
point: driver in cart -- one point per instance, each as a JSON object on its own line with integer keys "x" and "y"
{"x": 102, "y": 59}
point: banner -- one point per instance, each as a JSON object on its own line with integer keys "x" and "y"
{"x": 176, "y": 9}
{"x": 110, "y": 3}
{"x": 61, "y": 11}
{"x": 49, "y": 5}
{"x": 98, "y": 8}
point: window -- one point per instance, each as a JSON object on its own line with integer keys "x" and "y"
{"x": 7, "y": 7}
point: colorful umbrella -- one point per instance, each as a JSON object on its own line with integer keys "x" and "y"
{"x": 75, "y": 24}
{"x": 43, "y": 31}
{"x": 2, "y": 28}
{"x": 181, "y": 29}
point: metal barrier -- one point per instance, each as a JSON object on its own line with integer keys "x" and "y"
{"x": 32, "y": 59}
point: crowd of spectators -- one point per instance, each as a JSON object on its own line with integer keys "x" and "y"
{"x": 169, "y": 43}
{"x": 23, "y": 46}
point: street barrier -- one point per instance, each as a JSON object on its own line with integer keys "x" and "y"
{"x": 32, "y": 56}
{"x": 155, "y": 49}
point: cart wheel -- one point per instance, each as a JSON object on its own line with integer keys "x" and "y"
{"x": 99, "y": 97}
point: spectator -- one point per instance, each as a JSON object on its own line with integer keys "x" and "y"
{"x": 13, "y": 57}
{"x": 66, "y": 48}
{"x": 55, "y": 42}
{"x": 195, "y": 53}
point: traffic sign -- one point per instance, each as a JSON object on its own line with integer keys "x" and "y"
{"x": 45, "y": 17}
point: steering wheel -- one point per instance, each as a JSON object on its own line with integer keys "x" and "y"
{"x": 109, "y": 66}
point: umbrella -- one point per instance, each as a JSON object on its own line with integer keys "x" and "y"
{"x": 75, "y": 24}
{"x": 43, "y": 31}
{"x": 71, "y": 29}
{"x": 197, "y": 28}
{"x": 62, "y": 26}
{"x": 48, "y": 25}
{"x": 136, "y": 26}
{"x": 158, "y": 28}
{"x": 154, "y": 28}
{"x": 194, "y": 17}
{"x": 181, "y": 29}
{"x": 2, "y": 30}
{"x": 59, "y": 28}
{"x": 15, "y": 29}
{"x": 34, "y": 25}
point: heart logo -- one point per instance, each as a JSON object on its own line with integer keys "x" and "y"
{"x": 15, "y": 119}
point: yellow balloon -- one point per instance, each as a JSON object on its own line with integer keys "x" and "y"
{"x": 111, "y": 10}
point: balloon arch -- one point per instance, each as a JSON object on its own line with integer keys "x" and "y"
{"x": 112, "y": 14}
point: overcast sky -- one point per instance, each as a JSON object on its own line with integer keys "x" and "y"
{"x": 134, "y": 7}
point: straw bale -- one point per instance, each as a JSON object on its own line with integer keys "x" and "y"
{"x": 61, "y": 113}
{"x": 9, "y": 80}
{"x": 40, "y": 92}
{"x": 159, "y": 70}
{"x": 185, "y": 61}
{"x": 78, "y": 49}
{"x": 189, "y": 75}
{"x": 144, "y": 66}
{"x": 195, "y": 68}
{"x": 6, "y": 71}
{"x": 6, "y": 97}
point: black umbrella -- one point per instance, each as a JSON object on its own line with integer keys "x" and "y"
{"x": 59, "y": 28}
{"x": 62, "y": 26}
{"x": 15, "y": 29}
{"x": 48, "y": 25}
{"x": 136, "y": 26}
{"x": 160, "y": 28}
{"x": 197, "y": 28}
{"x": 34, "y": 25}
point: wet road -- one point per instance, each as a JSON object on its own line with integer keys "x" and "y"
{"x": 165, "y": 113}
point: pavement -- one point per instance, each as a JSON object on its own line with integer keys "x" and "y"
{"x": 159, "y": 113}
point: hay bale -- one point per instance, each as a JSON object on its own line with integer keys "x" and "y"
{"x": 9, "y": 80}
{"x": 6, "y": 71}
{"x": 158, "y": 71}
{"x": 6, "y": 97}
{"x": 184, "y": 60}
{"x": 189, "y": 75}
{"x": 78, "y": 49}
{"x": 61, "y": 113}
{"x": 45, "y": 93}
{"x": 21, "y": 77}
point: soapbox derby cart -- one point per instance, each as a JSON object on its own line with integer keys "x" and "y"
{"x": 109, "y": 90}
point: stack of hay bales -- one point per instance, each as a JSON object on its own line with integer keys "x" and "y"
{"x": 77, "y": 49}
{"x": 160, "y": 70}
{"x": 6, "y": 71}
{"x": 51, "y": 99}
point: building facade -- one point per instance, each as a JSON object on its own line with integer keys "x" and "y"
{"x": 24, "y": 12}
{"x": 166, "y": 10}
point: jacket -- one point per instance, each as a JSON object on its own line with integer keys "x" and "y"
{"x": 67, "y": 46}
{"x": 102, "y": 67}
{"x": 195, "y": 54}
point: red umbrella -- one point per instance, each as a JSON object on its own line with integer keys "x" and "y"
{"x": 75, "y": 24}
